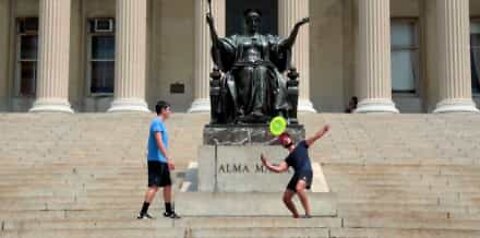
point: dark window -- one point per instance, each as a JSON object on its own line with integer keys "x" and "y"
{"x": 235, "y": 19}
{"x": 101, "y": 56}
{"x": 27, "y": 41}
{"x": 475, "y": 55}
{"x": 405, "y": 56}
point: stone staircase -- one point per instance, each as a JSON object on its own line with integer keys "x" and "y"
{"x": 83, "y": 175}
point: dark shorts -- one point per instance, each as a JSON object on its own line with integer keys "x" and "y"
{"x": 158, "y": 174}
{"x": 306, "y": 176}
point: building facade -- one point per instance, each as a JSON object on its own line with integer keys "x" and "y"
{"x": 409, "y": 56}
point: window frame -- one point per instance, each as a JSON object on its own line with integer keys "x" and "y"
{"x": 472, "y": 20}
{"x": 417, "y": 49}
{"x": 17, "y": 85}
{"x": 89, "y": 60}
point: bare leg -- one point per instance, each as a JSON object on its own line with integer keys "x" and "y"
{"x": 150, "y": 194}
{"x": 287, "y": 199}
{"x": 302, "y": 194}
{"x": 167, "y": 194}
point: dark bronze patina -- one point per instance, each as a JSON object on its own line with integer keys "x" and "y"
{"x": 248, "y": 83}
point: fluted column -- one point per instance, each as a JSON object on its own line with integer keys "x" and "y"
{"x": 54, "y": 56}
{"x": 203, "y": 60}
{"x": 290, "y": 12}
{"x": 374, "y": 57}
{"x": 130, "y": 56}
{"x": 454, "y": 57}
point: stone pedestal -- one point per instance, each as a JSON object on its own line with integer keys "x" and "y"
{"x": 239, "y": 169}
{"x": 246, "y": 134}
{"x": 230, "y": 176}
{"x": 229, "y": 161}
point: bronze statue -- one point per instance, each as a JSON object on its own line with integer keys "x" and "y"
{"x": 253, "y": 88}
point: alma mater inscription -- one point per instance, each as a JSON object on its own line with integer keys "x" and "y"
{"x": 242, "y": 168}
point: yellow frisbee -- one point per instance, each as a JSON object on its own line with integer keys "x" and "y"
{"x": 278, "y": 125}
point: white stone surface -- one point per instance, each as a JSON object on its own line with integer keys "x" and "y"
{"x": 54, "y": 57}
{"x": 289, "y": 13}
{"x": 453, "y": 34}
{"x": 239, "y": 169}
{"x": 130, "y": 56}
{"x": 203, "y": 58}
{"x": 373, "y": 61}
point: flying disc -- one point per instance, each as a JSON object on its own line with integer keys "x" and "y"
{"x": 278, "y": 125}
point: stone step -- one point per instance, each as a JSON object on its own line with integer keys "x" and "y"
{"x": 117, "y": 232}
{"x": 411, "y": 223}
{"x": 190, "y": 204}
{"x": 400, "y": 233}
{"x": 259, "y": 232}
{"x": 380, "y": 206}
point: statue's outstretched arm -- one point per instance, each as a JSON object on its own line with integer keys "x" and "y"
{"x": 290, "y": 41}
{"x": 213, "y": 31}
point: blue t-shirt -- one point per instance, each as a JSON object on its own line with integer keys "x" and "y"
{"x": 154, "y": 153}
{"x": 298, "y": 159}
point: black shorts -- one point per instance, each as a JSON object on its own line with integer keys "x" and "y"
{"x": 158, "y": 174}
{"x": 300, "y": 175}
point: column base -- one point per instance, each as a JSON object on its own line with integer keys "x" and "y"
{"x": 200, "y": 105}
{"x": 456, "y": 105}
{"x": 129, "y": 105}
{"x": 51, "y": 105}
{"x": 377, "y": 105}
{"x": 305, "y": 105}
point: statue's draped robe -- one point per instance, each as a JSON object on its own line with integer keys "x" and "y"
{"x": 253, "y": 82}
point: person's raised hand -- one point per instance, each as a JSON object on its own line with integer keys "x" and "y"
{"x": 326, "y": 129}
{"x": 210, "y": 19}
{"x": 263, "y": 159}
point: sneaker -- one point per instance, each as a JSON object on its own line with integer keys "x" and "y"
{"x": 144, "y": 216}
{"x": 172, "y": 215}
{"x": 306, "y": 216}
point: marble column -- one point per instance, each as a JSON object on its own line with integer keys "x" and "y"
{"x": 374, "y": 57}
{"x": 130, "y": 56}
{"x": 454, "y": 69}
{"x": 54, "y": 56}
{"x": 203, "y": 60}
{"x": 289, "y": 13}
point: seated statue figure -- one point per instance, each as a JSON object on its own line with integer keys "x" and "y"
{"x": 253, "y": 85}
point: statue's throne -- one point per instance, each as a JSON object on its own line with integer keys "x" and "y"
{"x": 218, "y": 98}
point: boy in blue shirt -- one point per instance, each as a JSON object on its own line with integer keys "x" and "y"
{"x": 159, "y": 163}
{"x": 299, "y": 160}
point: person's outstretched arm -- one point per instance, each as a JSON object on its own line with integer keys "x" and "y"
{"x": 310, "y": 141}
{"x": 282, "y": 167}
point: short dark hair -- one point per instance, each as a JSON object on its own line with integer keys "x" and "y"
{"x": 250, "y": 10}
{"x": 161, "y": 105}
